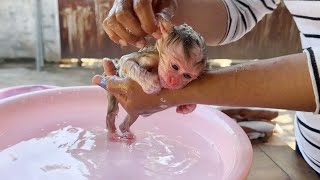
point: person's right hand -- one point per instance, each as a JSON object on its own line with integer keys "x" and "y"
{"x": 130, "y": 21}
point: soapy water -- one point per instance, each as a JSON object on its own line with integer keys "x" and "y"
{"x": 76, "y": 153}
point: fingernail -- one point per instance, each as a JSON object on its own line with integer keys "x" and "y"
{"x": 140, "y": 44}
{"x": 122, "y": 42}
{"x": 156, "y": 35}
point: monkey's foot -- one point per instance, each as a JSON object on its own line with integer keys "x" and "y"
{"x": 186, "y": 108}
{"x": 128, "y": 135}
{"x": 113, "y": 136}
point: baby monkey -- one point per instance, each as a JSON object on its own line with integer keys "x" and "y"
{"x": 175, "y": 60}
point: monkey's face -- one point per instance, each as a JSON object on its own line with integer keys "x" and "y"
{"x": 175, "y": 69}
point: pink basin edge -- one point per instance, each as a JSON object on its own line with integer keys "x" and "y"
{"x": 17, "y": 90}
{"x": 243, "y": 147}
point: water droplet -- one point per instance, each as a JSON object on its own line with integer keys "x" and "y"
{"x": 73, "y": 130}
{"x": 163, "y": 106}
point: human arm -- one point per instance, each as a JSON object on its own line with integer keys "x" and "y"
{"x": 139, "y": 18}
{"x": 222, "y": 21}
{"x": 281, "y": 83}
{"x": 218, "y": 21}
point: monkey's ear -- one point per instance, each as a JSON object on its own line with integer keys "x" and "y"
{"x": 164, "y": 24}
{"x": 165, "y": 27}
{"x": 163, "y": 30}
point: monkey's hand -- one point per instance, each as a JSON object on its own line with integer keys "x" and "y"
{"x": 150, "y": 84}
{"x": 186, "y": 108}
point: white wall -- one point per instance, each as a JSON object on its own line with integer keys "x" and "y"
{"x": 18, "y": 27}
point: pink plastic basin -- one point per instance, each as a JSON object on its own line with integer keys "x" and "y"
{"x": 59, "y": 134}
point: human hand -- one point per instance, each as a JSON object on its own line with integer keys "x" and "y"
{"x": 186, "y": 108}
{"x": 130, "y": 21}
{"x": 131, "y": 96}
{"x": 257, "y": 123}
{"x": 129, "y": 93}
{"x": 245, "y": 114}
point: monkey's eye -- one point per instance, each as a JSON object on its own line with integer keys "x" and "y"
{"x": 187, "y": 76}
{"x": 175, "y": 67}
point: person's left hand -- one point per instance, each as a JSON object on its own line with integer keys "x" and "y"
{"x": 130, "y": 94}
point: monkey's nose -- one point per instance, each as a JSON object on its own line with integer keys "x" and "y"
{"x": 173, "y": 81}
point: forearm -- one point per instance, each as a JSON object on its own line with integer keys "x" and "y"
{"x": 209, "y": 18}
{"x": 222, "y": 21}
{"x": 282, "y": 83}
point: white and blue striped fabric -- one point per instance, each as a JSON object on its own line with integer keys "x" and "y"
{"x": 243, "y": 15}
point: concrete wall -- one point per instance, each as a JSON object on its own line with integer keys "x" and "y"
{"x": 18, "y": 27}
{"x": 82, "y": 35}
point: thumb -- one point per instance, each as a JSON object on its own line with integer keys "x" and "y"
{"x": 112, "y": 84}
{"x": 108, "y": 67}
{"x": 117, "y": 85}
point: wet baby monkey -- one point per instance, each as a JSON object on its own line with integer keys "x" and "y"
{"x": 176, "y": 59}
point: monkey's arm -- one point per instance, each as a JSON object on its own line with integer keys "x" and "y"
{"x": 136, "y": 67}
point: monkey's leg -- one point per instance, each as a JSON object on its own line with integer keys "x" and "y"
{"x": 125, "y": 126}
{"x": 112, "y": 112}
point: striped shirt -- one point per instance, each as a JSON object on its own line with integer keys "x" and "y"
{"x": 243, "y": 15}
